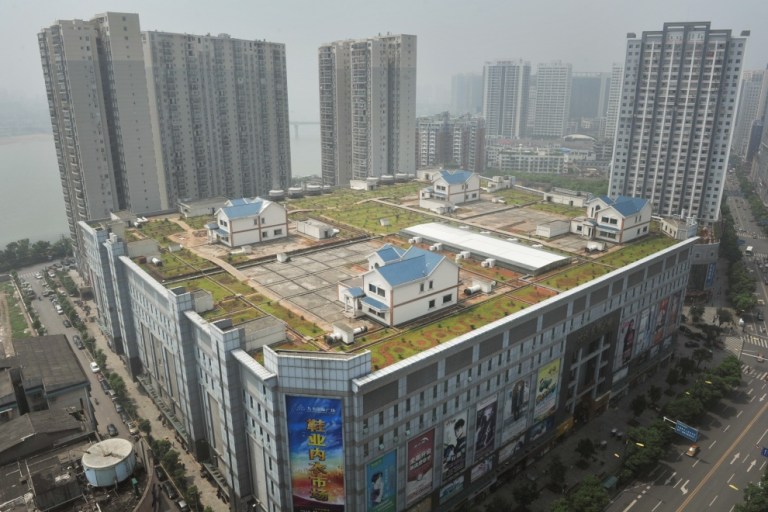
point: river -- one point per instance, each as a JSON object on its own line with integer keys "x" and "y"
{"x": 31, "y": 200}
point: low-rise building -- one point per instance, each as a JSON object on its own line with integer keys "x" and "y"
{"x": 618, "y": 220}
{"x": 249, "y": 221}
{"x": 450, "y": 188}
{"x": 401, "y": 285}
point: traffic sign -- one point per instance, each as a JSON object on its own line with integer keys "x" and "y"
{"x": 687, "y": 431}
{"x": 764, "y": 452}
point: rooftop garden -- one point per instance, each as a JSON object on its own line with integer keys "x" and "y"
{"x": 367, "y": 216}
{"x": 158, "y": 230}
{"x": 343, "y": 198}
{"x": 177, "y": 264}
{"x": 516, "y": 196}
{"x": 637, "y": 250}
{"x": 559, "y": 209}
{"x": 198, "y": 222}
{"x": 221, "y": 286}
{"x": 19, "y": 327}
{"x": 575, "y": 276}
{"x": 533, "y": 294}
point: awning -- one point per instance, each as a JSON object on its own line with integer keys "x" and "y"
{"x": 378, "y": 306}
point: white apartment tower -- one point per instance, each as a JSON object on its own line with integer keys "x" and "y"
{"x": 752, "y": 104}
{"x": 679, "y": 98}
{"x": 505, "y": 97}
{"x": 99, "y": 106}
{"x": 219, "y": 111}
{"x": 553, "y": 99}
{"x": 367, "y": 107}
{"x": 614, "y": 99}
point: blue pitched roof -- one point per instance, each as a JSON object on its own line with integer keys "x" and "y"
{"x": 389, "y": 253}
{"x": 356, "y": 292}
{"x": 415, "y": 264}
{"x": 244, "y": 208}
{"x": 625, "y": 205}
{"x": 456, "y": 177}
{"x": 374, "y": 303}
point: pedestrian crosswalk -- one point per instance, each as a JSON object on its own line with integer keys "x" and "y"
{"x": 754, "y": 372}
{"x": 748, "y": 341}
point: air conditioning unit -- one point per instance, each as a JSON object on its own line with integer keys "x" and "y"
{"x": 484, "y": 264}
{"x": 432, "y": 248}
{"x": 411, "y": 241}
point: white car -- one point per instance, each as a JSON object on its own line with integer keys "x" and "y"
{"x": 38, "y": 276}
{"x": 94, "y": 367}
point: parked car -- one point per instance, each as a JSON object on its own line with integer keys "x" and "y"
{"x": 112, "y": 394}
{"x": 111, "y": 430}
{"x": 105, "y": 386}
{"x": 170, "y": 490}
{"x": 183, "y": 506}
{"x": 118, "y": 408}
{"x": 133, "y": 429}
{"x": 95, "y": 367}
{"x": 79, "y": 342}
{"x": 67, "y": 323}
{"x": 161, "y": 476}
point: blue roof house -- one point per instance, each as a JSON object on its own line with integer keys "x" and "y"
{"x": 450, "y": 188}
{"x": 248, "y": 221}
{"x": 401, "y": 285}
{"x": 619, "y": 220}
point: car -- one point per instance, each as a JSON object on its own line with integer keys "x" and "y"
{"x": 691, "y": 344}
{"x": 170, "y": 490}
{"x": 59, "y": 310}
{"x": 67, "y": 323}
{"x": 112, "y": 394}
{"x": 133, "y": 429}
{"x": 105, "y": 386}
{"x": 760, "y": 316}
{"x": 118, "y": 408}
{"x": 161, "y": 476}
{"x": 685, "y": 330}
{"x": 741, "y": 242}
{"x": 95, "y": 367}
{"x": 182, "y": 506}
{"x": 79, "y": 342}
{"x": 693, "y": 450}
{"x": 38, "y": 275}
{"x": 111, "y": 430}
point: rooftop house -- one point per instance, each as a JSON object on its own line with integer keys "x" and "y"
{"x": 248, "y": 221}
{"x": 450, "y": 188}
{"x": 618, "y": 220}
{"x": 401, "y": 285}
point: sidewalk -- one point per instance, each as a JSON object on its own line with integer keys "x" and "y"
{"x": 146, "y": 409}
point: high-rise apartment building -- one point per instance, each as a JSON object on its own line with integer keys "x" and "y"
{"x": 219, "y": 112}
{"x": 672, "y": 145}
{"x": 505, "y": 97}
{"x": 589, "y": 95}
{"x": 452, "y": 141}
{"x": 467, "y": 93}
{"x": 553, "y": 98}
{"x": 142, "y": 120}
{"x": 367, "y": 107}
{"x": 99, "y": 106}
{"x": 752, "y": 105}
{"x": 614, "y": 99}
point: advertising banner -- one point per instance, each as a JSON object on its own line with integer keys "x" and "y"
{"x": 540, "y": 428}
{"x": 453, "y": 487}
{"x": 454, "y": 444}
{"x": 515, "y": 415}
{"x": 316, "y": 451}
{"x": 661, "y": 322}
{"x": 516, "y": 446}
{"x": 546, "y": 390}
{"x": 479, "y": 470}
{"x": 382, "y": 483}
{"x": 642, "y": 339}
{"x": 420, "y": 465}
{"x": 625, "y": 343}
{"x": 485, "y": 427}
{"x": 673, "y": 318}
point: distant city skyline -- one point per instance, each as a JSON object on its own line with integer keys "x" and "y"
{"x": 454, "y": 37}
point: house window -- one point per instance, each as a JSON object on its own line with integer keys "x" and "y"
{"x": 371, "y": 287}
{"x": 278, "y": 232}
{"x": 381, "y": 292}
{"x": 421, "y": 287}
{"x": 263, "y": 220}
{"x": 432, "y": 304}
{"x": 255, "y": 222}
{"x": 431, "y": 284}
{"x": 264, "y": 234}
{"x": 447, "y": 298}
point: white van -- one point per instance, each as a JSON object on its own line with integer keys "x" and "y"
{"x": 59, "y": 310}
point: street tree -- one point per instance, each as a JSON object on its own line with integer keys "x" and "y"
{"x": 686, "y": 366}
{"x": 654, "y": 394}
{"x": 673, "y": 377}
{"x": 700, "y": 355}
{"x": 556, "y": 470}
{"x": 638, "y": 405}
{"x": 724, "y": 316}
{"x": 523, "y": 494}
{"x": 590, "y": 496}
{"x": 696, "y": 312}
{"x": 585, "y": 447}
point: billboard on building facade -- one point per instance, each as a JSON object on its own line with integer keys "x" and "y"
{"x": 452, "y": 488}
{"x": 515, "y": 415}
{"x": 546, "y": 390}
{"x": 673, "y": 318}
{"x": 316, "y": 450}
{"x": 421, "y": 460}
{"x": 381, "y": 476}
{"x": 454, "y": 444}
{"x": 478, "y": 470}
{"x": 516, "y": 446}
{"x": 485, "y": 427}
{"x": 660, "y": 322}
{"x": 643, "y": 336}
{"x": 625, "y": 343}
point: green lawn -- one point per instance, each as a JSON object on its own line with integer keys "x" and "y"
{"x": 159, "y": 229}
{"x": 575, "y": 276}
{"x": 198, "y": 222}
{"x": 637, "y": 250}
{"x": 532, "y": 293}
{"x": 19, "y": 327}
{"x": 560, "y": 209}
{"x": 344, "y": 198}
{"x": 515, "y": 196}
{"x": 367, "y": 217}
{"x": 220, "y": 285}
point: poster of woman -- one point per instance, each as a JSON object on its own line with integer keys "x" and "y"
{"x": 642, "y": 337}
{"x": 626, "y": 342}
{"x": 661, "y": 321}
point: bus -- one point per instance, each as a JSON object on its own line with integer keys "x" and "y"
{"x": 749, "y": 251}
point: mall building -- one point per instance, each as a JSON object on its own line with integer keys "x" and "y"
{"x": 339, "y": 427}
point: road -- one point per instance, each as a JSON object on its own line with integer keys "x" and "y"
{"x": 104, "y": 408}
{"x": 729, "y": 459}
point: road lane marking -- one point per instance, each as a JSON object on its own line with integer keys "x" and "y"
{"x": 683, "y": 489}
{"x": 762, "y": 436}
{"x": 729, "y": 480}
{"x": 752, "y": 399}
{"x": 726, "y": 428}
{"x": 715, "y": 467}
{"x": 677, "y": 483}
{"x": 751, "y": 465}
{"x": 630, "y": 506}
{"x": 694, "y": 464}
{"x": 739, "y": 414}
{"x": 750, "y": 391}
{"x": 657, "y": 506}
{"x": 713, "y": 444}
{"x": 713, "y": 501}
{"x": 735, "y": 457}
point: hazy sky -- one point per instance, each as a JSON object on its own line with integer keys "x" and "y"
{"x": 453, "y": 35}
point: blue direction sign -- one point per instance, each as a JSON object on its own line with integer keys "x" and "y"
{"x": 764, "y": 452}
{"x": 686, "y": 431}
